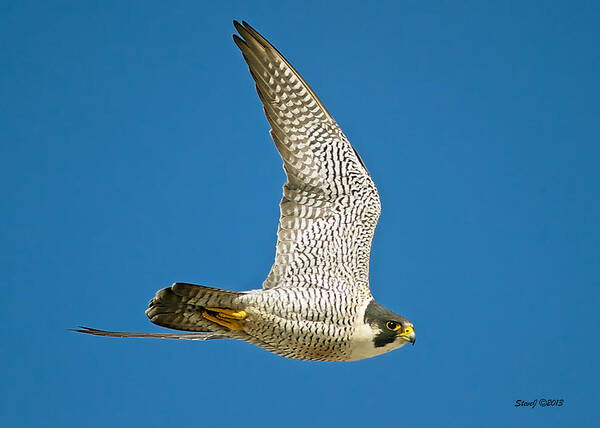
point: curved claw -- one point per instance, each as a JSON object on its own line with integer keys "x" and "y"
{"x": 226, "y": 317}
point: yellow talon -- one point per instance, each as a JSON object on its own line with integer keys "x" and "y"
{"x": 225, "y": 317}
{"x": 229, "y": 313}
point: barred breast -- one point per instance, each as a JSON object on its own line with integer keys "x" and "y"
{"x": 302, "y": 323}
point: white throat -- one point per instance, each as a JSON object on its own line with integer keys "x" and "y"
{"x": 362, "y": 345}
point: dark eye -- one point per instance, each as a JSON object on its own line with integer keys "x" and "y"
{"x": 392, "y": 325}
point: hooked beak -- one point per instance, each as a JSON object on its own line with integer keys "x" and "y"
{"x": 408, "y": 334}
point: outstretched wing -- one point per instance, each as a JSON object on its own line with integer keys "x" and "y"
{"x": 330, "y": 205}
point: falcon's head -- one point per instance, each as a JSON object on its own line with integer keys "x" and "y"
{"x": 387, "y": 327}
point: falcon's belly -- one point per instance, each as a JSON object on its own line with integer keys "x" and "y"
{"x": 303, "y": 323}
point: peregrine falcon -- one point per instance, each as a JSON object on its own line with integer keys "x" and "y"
{"x": 315, "y": 303}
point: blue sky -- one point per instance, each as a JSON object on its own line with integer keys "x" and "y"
{"x": 134, "y": 153}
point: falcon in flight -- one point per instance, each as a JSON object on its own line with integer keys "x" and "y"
{"x": 316, "y": 303}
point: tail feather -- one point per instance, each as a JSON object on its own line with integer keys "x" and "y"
{"x": 181, "y": 306}
{"x": 205, "y": 296}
